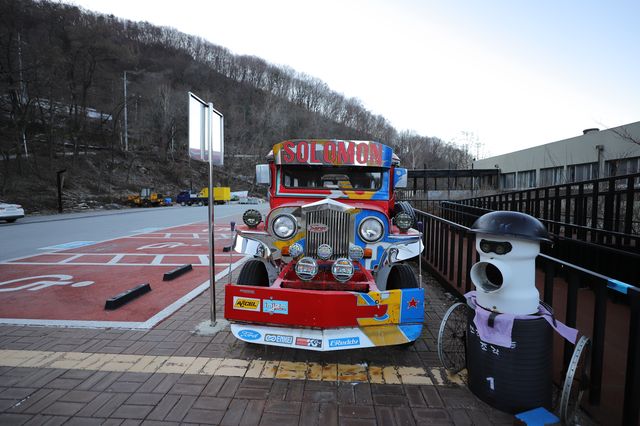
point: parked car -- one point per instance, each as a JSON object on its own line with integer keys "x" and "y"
{"x": 249, "y": 200}
{"x": 11, "y": 212}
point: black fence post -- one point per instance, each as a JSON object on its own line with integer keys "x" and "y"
{"x": 572, "y": 311}
{"x": 631, "y": 408}
{"x": 469, "y": 261}
{"x": 460, "y": 247}
{"x": 549, "y": 275}
{"x": 597, "y": 352}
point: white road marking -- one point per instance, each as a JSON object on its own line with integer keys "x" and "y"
{"x": 115, "y": 259}
{"x": 116, "y": 264}
{"x": 70, "y": 258}
{"x": 151, "y": 322}
{"x": 155, "y": 259}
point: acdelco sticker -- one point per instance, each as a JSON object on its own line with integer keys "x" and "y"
{"x": 246, "y": 303}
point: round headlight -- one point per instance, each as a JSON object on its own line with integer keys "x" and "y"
{"x": 371, "y": 229}
{"x": 403, "y": 221}
{"x": 356, "y": 252}
{"x": 252, "y": 218}
{"x": 342, "y": 269}
{"x": 325, "y": 251}
{"x": 306, "y": 268}
{"x": 295, "y": 250}
{"x": 284, "y": 226}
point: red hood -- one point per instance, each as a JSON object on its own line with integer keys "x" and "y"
{"x": 376, "y": 205}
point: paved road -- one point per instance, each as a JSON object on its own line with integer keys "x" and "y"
{"x": 29, "y": 235}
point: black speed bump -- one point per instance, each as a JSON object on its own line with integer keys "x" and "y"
{"x": 168, "y": 276}
{"x": 126, "y": 296}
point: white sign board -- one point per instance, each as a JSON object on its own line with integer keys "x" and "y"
{"x": 206, "y": 131}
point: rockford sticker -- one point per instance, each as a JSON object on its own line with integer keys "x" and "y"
{"x": 312, "y": 343}
{"x": 278, "y": 338}
{"x": 345, "y": 341}
{"x": 275, "y": 306}
{"x": 249, "y": 334}
{"x": 246, "y": 303}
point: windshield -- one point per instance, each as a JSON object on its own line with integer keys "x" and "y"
{"x": 341, "y": 177}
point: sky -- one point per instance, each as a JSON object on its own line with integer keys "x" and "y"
{"x": 492, "y": 76}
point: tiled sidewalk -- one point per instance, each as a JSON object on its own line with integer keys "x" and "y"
{"x": 172, "y": 375}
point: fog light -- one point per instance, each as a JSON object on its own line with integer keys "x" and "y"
{"x": 403, "y": 221}
{"x": 356, "y": 252}
{"x": 342, "y": 269}
{"x": 306, "y": 268}
{"x": 252, "y": 218}
{"x": 295, "y": 250}
{"x": 325, "y": 251}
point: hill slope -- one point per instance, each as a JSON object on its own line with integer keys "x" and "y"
{"x": 62, "y": 106}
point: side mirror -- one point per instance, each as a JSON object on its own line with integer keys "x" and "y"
{"x": 400, "y": 178}
{"x": 262, "y": 174}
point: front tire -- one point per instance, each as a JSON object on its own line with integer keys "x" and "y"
{"x": 254, "y": 273}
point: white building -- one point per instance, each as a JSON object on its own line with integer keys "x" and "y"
{"x": 596, "y": 153}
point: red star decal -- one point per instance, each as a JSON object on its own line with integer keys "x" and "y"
{"x": 413, "y": 303}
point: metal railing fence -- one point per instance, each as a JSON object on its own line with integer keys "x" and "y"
{"x": 450, "y": 252}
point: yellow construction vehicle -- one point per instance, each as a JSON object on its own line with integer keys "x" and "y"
{"x": 147, "y": 198}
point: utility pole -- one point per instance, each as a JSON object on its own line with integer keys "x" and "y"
{"x": 126, "y": 129}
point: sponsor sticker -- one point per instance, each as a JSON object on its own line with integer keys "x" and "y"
{"x": 278, "y": 338}
{"x": 246, "y": 303}
{"x": 275, "y": 306}
{"x": 345, "y": 341}
{"x": 312, "y": 343}
{"x": 249, "y": 334}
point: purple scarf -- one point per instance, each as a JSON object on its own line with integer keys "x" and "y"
{"x": 495, "y": 328}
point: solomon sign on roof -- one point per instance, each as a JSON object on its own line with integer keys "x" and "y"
{"x": 333, "y": 152}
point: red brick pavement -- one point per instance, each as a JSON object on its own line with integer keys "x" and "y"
{"x": 85, "y": 397}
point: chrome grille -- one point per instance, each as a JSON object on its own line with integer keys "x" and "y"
{"x": 337, "y": 234}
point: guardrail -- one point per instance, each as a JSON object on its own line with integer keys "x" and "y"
{"x": 607, "y": 204}
{"x": 617, "y": 261}
{"x": 449, "y": 254}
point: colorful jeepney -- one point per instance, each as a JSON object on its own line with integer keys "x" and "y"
{"x": 328, "y": 270}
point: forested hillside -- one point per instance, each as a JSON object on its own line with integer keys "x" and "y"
{"x": 62, "y": 106}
